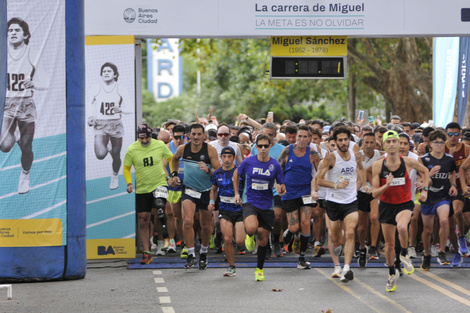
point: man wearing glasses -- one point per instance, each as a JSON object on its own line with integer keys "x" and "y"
{"x": 460, "y": 152}
{"x": 442, "y": 172}
{"x": 223, "y": 140}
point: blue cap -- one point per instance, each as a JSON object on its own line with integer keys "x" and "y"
{"x": 228, "y": 150}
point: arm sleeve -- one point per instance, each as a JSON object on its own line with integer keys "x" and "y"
{"x": 127, "y": 174}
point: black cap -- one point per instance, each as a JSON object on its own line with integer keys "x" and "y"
{"x": 143, "y": 131}
{"x": 415, "y": 125}
{"x": 228, "y": 150}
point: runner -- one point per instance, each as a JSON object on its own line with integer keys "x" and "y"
{"x": 261, "y": 171}
{"x": 151, "y": 186}
{"x": 442, "y": 171}
{"x": 391, "y": 182}
{"x": 230, "y": 214}
{"x": 343, "y": 167}
{"x": 200, "y": 159}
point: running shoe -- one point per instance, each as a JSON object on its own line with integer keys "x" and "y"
{"x": 284, "y": 237}
{"x": 362, "y": 259}
{"x": 346, "y": 276}
{"x": 407, "y": 264}
{"x": 203, "y": 261}
{"x": 303, "y": 265}
{"x": 318, "y": 251}
{"x": 231, "y": 271}
{"x": 184, "y": 253}
{"x": 337, "y": 272}
{"x": 412, "y": 252}
{"x": 190, "y": 262}
{"x": 146, "y": 258}
{"x": 374, "y": 253}
{"x": 171, "y": 248}
{"x": 426, "y": 265}
{"x": 241, "y": 252}
{"x": 442, "y": 259}
{"x": 153, "y": 246}
{"x": 114, "y": 184}
{"x": 457, "y": 261}
{"x": 296, "y": 246}
{"x": 337, "y": 250}
{"x": 433, "y": 251}
{"x": 259, "y": 275}
{"x": 399, "y": 269}
{"x": 160, "y": 248}
{"x": 166, "y": 243}
{"x": 277, "y": 249}
{"x": 392, "y": 282}
{"x": 463, "y": 245}
{"x": 23, "y": 185}
{"x": 250, "y": 243}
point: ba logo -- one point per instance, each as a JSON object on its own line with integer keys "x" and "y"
{"x": 103, "y": 251}
{"x": 129, "y": 15}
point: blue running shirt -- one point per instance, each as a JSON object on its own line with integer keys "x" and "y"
{"x": 224, "y": 181}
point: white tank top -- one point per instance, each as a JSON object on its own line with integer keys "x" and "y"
{"x": 368, "y": 162}
{"x": 106, "y": 100}
{"x": 343, "y": 170}
{"x": 20, "y": 68}
{"x": 322, "y": 191}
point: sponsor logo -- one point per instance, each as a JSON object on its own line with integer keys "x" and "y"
{"x": 102, "y": 250}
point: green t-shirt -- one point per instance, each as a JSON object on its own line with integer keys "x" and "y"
{"x": 147, "y": 161}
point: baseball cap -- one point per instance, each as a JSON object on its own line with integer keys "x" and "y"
{"x": 211, "y": 126}
{"x": 415, "y": 125}
{"x": 143, "y": 130}
{"x": 390, "y": 134}
{"x": 228, "y": 150}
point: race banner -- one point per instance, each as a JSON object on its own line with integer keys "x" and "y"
{"x": 33, "y": 169}
{"x": 110, "y": 129}
{"x": 463, "y": 78}
{"x": 446, "y": 62}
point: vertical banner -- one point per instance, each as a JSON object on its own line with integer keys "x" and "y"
{"x": 446, "y": 61}
{"x": 3, "y": 57}
{"x": 463, "y": 78}
{"x": 110, "y": 129}
{"x": 166, "y": 75}
{"x": 33, "y": 199}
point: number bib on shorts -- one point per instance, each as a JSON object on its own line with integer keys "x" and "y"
{"x": 308, "y": 199}
{"x": 161, "y": 192}
{"x": 192, "y": 193}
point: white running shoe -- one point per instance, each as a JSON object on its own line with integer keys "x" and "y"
{"x": 23, "y": 185}
{"x": 153, "y": 246}
{"x": 160, "y": 247}
{"x": 433, "y": 251}
{"x": 412, "y": 252}
{"x": 114, "y": 181}
{"x": 337, "y": 272}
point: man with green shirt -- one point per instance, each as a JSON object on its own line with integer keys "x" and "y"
{"x": 146, "y": 156}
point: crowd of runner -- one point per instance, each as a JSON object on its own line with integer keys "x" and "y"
{"x": 264, "y": 187}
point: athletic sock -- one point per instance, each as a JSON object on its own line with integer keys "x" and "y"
{"x": 346, "y": 267}
{"x": 276, "y": 238}
{"x": 289, "y": 235}
{"x": 204, "y": 249}
{"x": 404, "y": 251}
{"x": 191, "y": 252}
{"x": 261, "y": 256}
{"x": 391, "y": 270}
{"x": 304, "y": 243}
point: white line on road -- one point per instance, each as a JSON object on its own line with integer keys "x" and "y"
{"x": 162, "y": 289}
{"x": 159, "y": 280}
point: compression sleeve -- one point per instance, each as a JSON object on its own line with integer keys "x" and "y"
{"x": 127, "y": 174}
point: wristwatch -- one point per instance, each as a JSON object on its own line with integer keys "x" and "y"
{"x": 453, "y": 184}
{"x": 426, "y": 188}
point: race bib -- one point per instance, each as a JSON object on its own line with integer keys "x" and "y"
{"x": 161, "y": 192}
{"x": 308, "y": 199}
{"x": 181, "y": 170}
{"x": 256, "y": 186}
{"x": 227, "y": 199}
{"x": 399, "y": 181}
{"x": 192, "y": 193}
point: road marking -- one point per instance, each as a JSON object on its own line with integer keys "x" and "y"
{"x": 168, "y": 310}
{"x": 164, "y": 300}
{"x": 441, "y": 290}
{"x": 159, "y": 280}
{"x": 157, "y": 272}
{"x": 348, "y": 290}
{"x": 162, "y": 289}
{"x": 448, "y": 283}
{"x": 396, "y": 304}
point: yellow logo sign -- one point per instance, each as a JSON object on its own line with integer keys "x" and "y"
{"x": 31, "y": 233}
{"x": 309, "y": 46}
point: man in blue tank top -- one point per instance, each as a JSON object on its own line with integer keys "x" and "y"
{"x": 297, "y": 160}
{"x": 200, "y": 160}
{"x": 261, "y": 171}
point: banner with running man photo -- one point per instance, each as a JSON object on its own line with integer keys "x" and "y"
{"x": 110, "y": 129}
{"x": 33, "y": 169}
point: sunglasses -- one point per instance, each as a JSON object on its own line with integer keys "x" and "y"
{"x": 178, "y": 137}
{"x": 224, "y": 134}
{"x": 263, "y": 146}
{"x": 453, "y": 134}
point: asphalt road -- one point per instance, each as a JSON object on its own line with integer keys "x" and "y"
{"x": 110, "y": 286}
